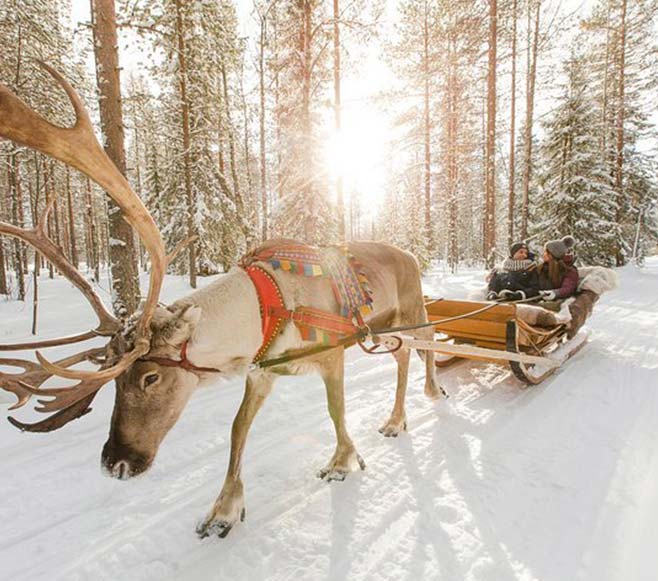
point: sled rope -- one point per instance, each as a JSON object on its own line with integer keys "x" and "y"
{"x": 449, "y": 320}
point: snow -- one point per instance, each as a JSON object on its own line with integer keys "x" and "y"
{"x": 499, "y": 482}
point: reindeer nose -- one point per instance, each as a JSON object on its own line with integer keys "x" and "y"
{"x": 121, "y": 470}
{"x": 123, "y": 462}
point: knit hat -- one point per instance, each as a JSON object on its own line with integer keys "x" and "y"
{"x": 516, "y": 247}
{"x": 558, "y": 248}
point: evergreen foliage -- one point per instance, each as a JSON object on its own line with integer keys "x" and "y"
{"x": 576, "y": 194}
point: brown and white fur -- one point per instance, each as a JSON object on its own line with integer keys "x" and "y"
{"x": 223, "y": 328}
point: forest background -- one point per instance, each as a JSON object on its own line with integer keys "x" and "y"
{"x": 450, "y": 129}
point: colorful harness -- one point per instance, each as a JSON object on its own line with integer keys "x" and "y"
{"x": 349, "y": 285}
{"x": 327, "y": 329}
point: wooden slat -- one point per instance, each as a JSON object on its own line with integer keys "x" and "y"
{"x": 450, "y": 308}
{"x": 473, "y": 326}
{"x": 468, "y": 351}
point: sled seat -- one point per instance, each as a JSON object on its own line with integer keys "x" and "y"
{"x": 492, "y": 327}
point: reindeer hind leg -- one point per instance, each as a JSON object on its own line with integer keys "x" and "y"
{"x": 432, "y": 389}
{"x": 397, "y": 422}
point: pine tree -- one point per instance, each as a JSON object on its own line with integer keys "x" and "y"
{"x": 623, "y": 53}
{"x": 576, "y": 191}
{"x": 196, "y": 166}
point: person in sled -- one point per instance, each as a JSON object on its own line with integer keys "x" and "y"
{"x": 558, "y": 277}
{"x": 516, "y": 278}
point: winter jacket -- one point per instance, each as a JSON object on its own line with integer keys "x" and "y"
{"x": 515, "y": 275}
{"x": 569, "y": 283}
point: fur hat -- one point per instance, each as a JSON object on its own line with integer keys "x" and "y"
{"x": 558, "y": 248}
{"x": 516, "y": 247}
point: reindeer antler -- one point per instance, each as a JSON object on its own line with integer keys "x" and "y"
{"x": 24, "y": 385}
{"x": 38, "y": 238}
{"x": 78, "y": 147}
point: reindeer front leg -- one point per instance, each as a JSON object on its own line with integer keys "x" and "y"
{"x": 345, "y": 458}
{"x": 229, "y": 506}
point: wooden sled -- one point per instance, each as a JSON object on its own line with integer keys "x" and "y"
{"x": 486, "y": 331}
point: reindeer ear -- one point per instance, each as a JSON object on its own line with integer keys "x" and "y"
{"x": 180, "y": 324}
{"x": 191, "y": 315}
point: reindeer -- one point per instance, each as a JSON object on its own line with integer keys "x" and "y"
{"x": 161, "y": 355}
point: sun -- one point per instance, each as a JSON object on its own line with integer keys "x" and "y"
{"x": 359, "y": 154}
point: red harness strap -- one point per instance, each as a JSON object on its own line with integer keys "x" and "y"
{"x": 274, "y": 313}
{"x": 269, "y": 298}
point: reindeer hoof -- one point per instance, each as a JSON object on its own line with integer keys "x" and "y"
{"x": 392, "y": 429}
{"x": 333, "y": 475}
{"x": 332, "y": 472}
{"x": 220, "y": 528}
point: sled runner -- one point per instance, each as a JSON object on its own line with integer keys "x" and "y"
{"x": 494, "y": 332}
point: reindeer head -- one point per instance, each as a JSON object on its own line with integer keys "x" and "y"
{"x": 152, "y": 393}
{"x": 144, "y": 387}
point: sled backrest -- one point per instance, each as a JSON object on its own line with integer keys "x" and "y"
{"x": 484, "y": 329}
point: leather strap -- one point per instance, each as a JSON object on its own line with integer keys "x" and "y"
{"x": 183, "y": 362}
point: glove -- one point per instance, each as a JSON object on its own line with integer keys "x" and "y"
{"x": 548, "y": 295}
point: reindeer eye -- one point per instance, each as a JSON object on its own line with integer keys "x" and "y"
{"x": 150, "y": 379}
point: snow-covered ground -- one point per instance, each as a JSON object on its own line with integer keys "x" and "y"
{"x": 554, "y": 482}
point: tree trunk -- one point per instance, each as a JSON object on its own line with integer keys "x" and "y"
{"x": 125, "y": 282}
{"x": 277, "y": 190}
{"x": 426, "y": 130}
{"x": 310, "y": 226}
{"x": 94, "y": 250}
{"x": 512, "y": 137}
{"x": 253, "y": 202}
{"x": 451, "y": 153}
{"x": 490, "y": 159}
{"x": 530, "y": 104}
{"x": 35, "y": 295}
{"x": 185, "y": 120}
{"x": 606, "y": 70}
{"x": 141, "y": 254}
{"x": 14, "y": 182}
{"x": 619, "y": 162}
{"x": 72, "y": 241}
{"x": 4, "y": 286}
{"x": 34, "y": 208}
{"x": 231, "y": 142}
{"x": 4, "y": 290}
{"x": 261, "y": 128}
{"x": 337, "y": 121}
{"x": 47, "y": 172}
